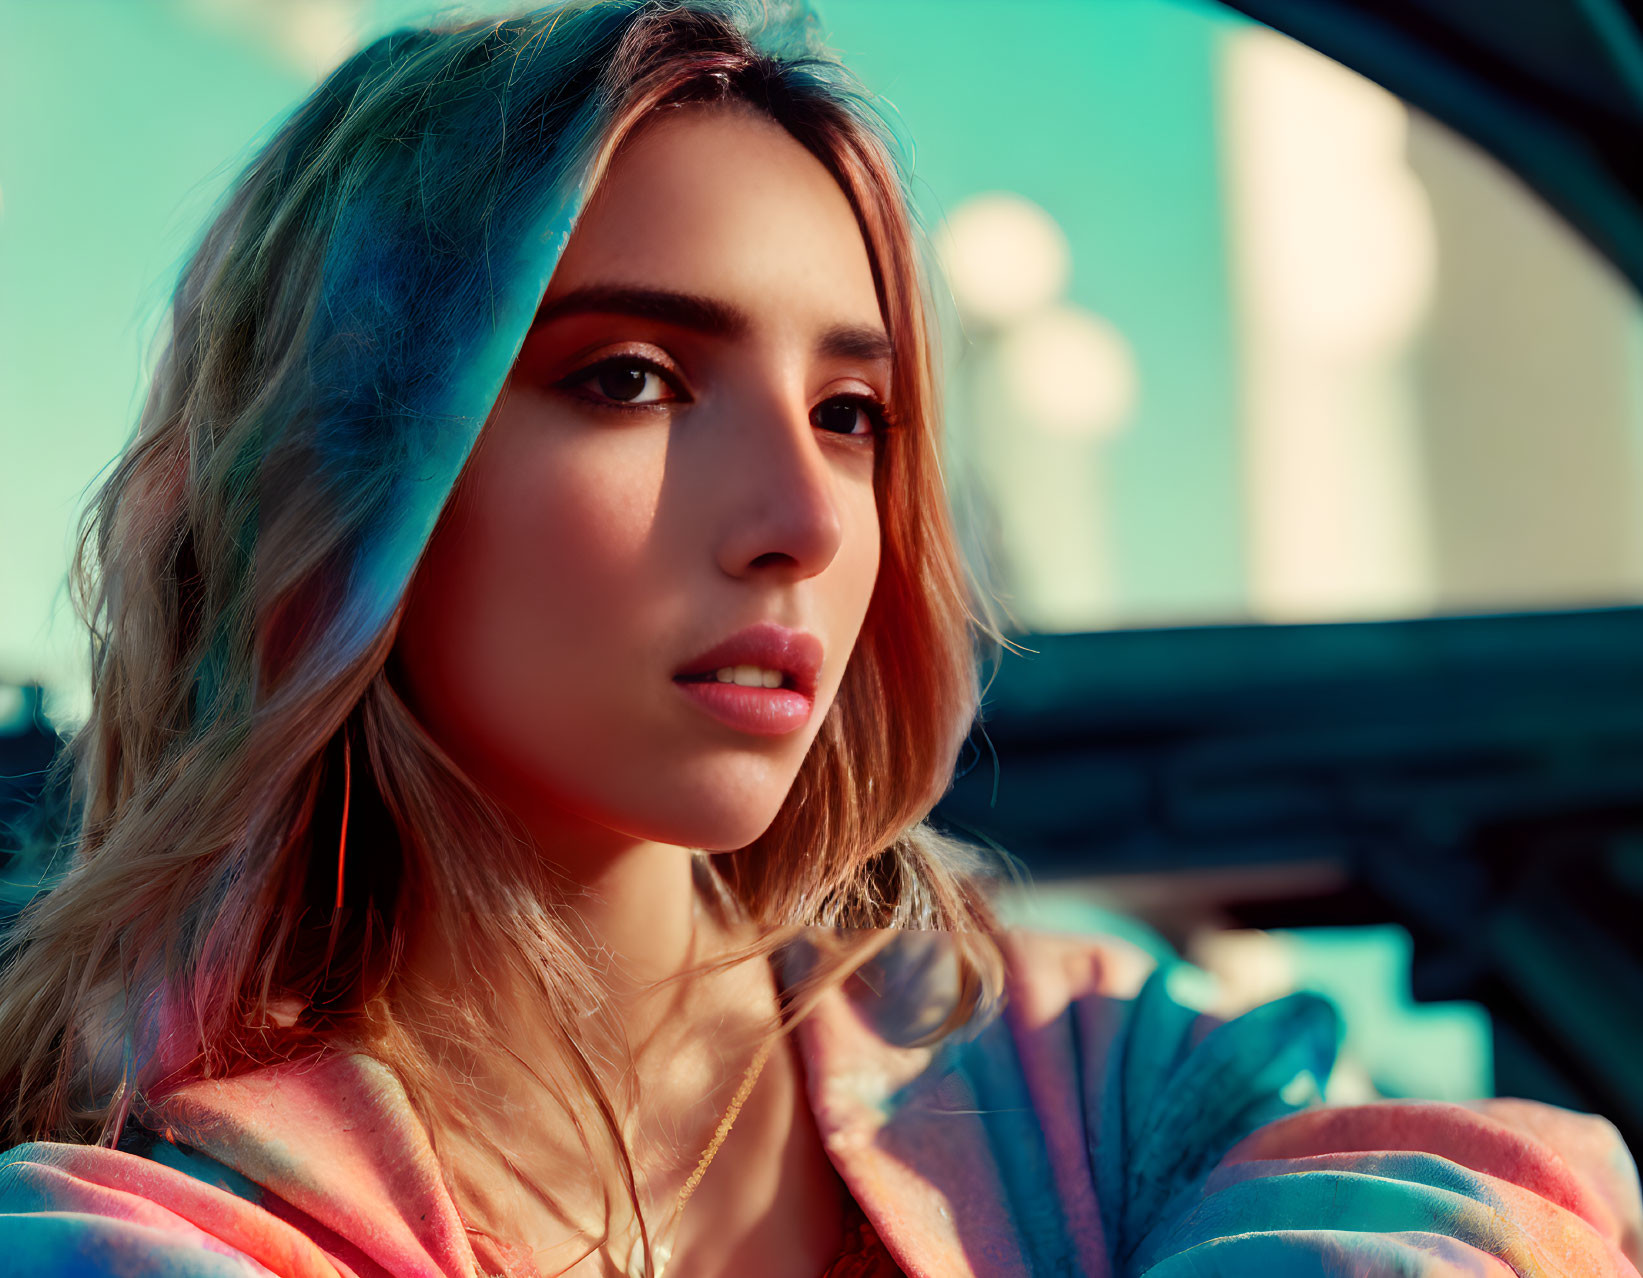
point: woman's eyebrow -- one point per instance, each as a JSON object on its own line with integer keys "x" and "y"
{"x": 683, "y": 310}
{"x": 858, "y": 342}
{"x": 704, "y": 315}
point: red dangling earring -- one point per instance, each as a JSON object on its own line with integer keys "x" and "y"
{"x": 342, "y": 841}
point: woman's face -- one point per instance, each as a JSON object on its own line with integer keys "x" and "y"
{"x": 683, "y": 459}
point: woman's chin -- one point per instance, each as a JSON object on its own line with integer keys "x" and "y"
{"x": 717, "y": 808}
{"x": 716, "y": 832}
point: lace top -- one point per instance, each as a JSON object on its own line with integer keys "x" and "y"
{"x": 864, "y": 1254}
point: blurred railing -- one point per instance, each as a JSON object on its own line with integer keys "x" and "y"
{"x": 1477, "y": 780}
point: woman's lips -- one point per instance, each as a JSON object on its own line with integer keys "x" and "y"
{"x": 763, "y": 712}
{"x": 766, "y": 648}
{"x": 793, "y": 654}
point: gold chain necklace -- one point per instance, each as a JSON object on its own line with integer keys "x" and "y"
{"x": 661, "y": 1247}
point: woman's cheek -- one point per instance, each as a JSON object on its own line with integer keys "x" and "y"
{"x": 581, "y": 606}
{"x": 593, "y": 523}
{"x": 862, "y": 552}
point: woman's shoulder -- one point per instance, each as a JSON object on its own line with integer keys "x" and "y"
{"x": 314, "y": 1169}
{"x": 87, "y": 1210}
{"x": 1103, "y": 1121}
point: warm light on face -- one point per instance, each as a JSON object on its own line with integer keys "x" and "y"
{"x": 685, "y": 450}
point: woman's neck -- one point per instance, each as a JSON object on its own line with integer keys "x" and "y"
{"x": 632, "y": 902}
{"x": 673, "y": 1033}
{"x": 524, "y": 1175}
{"x": 629, "y": 906}
{"x": 634, "y": 911}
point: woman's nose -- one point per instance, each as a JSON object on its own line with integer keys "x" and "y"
{"x": 780, "y": 511}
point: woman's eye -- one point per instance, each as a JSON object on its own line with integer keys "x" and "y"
{"x": 848, "y": 415}
{"x": 626, "y": 381}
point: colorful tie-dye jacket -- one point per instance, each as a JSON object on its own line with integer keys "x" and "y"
{"x": 1081, "y": 1132}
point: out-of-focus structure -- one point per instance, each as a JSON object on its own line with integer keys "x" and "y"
{"x": 1296, "y": 413}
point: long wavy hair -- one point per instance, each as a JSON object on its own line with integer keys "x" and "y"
{"x": 336, "y": 342}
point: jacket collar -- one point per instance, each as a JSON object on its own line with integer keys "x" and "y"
{"x": 336, "y": 1138}
{"x": 969, "y": 1155}
{"x": 884, "y": 1111}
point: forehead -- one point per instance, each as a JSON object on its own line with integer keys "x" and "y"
{"x": 722, "y": 202}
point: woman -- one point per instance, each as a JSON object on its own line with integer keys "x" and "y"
{"x": 528, "y": 640}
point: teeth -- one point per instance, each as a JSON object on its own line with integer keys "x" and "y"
{"x": 749, "y": 676}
